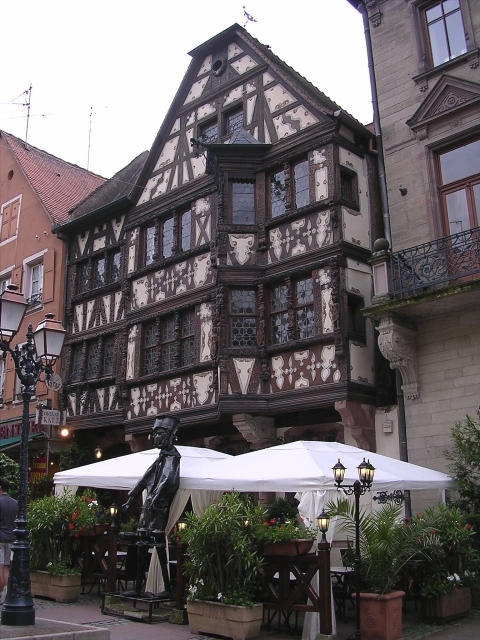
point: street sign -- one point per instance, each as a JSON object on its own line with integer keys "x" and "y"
{"x": 48, "y": 417}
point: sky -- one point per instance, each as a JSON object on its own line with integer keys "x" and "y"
{"x": 104, "y": 72}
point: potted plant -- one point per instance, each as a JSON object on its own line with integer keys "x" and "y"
{"x": 54, "y": 524}
{"x": 388, "y": 544}
{"x": 281, "y": 536}
{"x": 222, "y": 568}
{"x": 445, "y": 585}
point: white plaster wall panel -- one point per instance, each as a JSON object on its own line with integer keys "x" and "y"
{"x": 359, "y": 279}
{"x": 133, "y": 236}
{"x": 141, "y": 290}
{"x": 250, "y": 87}
{"x": 167, "y": 155}
{"x": 324, "y": 280}
{"x": 206, "y": 110}
{"x": 250, "y": 108}
{"x": 174, "y": 183}
{"x": 300, "y": 236}
{"x": 266, "y": 134}
{"x": 99, "y": 243}
{"x": 199, "y": 166}
{"x": 162, "y": 184}
{"x": 361, "y": 363}
{"x": 186, "y": 177}
{"x": 235, "y": 94}
{"x": 107, "y": 308}
{"x": 188, "y": 136}
{"x": 78, "y": 317}
{"x": 206, "y": 328}
{"x": 117, "y": 227}
{"x": 267, "y": 78}
{"x": 101, "y": 398}
{"x": 294, "y": 120}
{"x": 321, "y": 184}
{"x": 278, "y": 97}
{"x": 111, "y": 397}
{"x": 234, "y": 50}
{"x": 176, "y": 127}
{"x": 244, "y": 64}
{"x": 304, "y": 368}
{"x": 147, "y": 192}
{"x": 72, "y": 404}
{"x": 359, "y": 165}
{"x": 355, "y": 227}
{"x": 201, "y": 269}
{"x": 206, "y": 66}
{"x": 196, "y": 90}
{"x": 82, "y": 240}
{"x": 243, "y": 369}
{"x": 190, "y": 119}
{"x": 242, "y": 246}
{"x": 118, "y": 307}
{"x": 131, "y": 352}
{"x": 255, "y": 133}
{"x": 90, "y": 305}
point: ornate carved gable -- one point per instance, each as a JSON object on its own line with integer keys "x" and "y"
{"x": 230, "y": 74}
{"x": 447, "y": 97}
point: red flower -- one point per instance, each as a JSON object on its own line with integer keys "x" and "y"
{"x": 71, "y": 526}
{"x": 468, "y": 527}
{"x": 433, "y": 532}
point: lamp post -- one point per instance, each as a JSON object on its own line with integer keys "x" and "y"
{"x": 366, "y": 471}
{"x": 323, "y": 522}
{"x": 36, "y": 356}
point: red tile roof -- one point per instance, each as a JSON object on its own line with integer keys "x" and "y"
{"x": 59, "y": 184}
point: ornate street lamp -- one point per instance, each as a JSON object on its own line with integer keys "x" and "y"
{"x": 366, "y": 472}
{"x": 31, "y": 360}
{"x": 323, "y": 521}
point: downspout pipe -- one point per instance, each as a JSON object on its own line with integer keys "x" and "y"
{"x": 376, "y": 121}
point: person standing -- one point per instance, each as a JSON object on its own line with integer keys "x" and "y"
{"x": 8, "y": 513}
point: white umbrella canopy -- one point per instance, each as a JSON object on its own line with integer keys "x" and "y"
{"x": 307, "y": 466}
{"x": 125, "y": 471}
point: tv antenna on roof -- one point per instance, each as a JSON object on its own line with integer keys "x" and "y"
{"x": 247, "y": 17}
{"x": 29, "y": 91}
{"x": 89, "y": 137}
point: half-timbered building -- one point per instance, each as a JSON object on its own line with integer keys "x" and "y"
{"x": 246, "y": 262}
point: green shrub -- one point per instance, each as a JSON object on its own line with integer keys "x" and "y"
{"x": 9, "y": 469}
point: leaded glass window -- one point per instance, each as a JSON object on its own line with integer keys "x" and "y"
{"x": 168, "y": 344}
{"x": 186, "y": 230}
{"x": 209, "y": 132}
{"x": 277, "y": 194}
{"x": 167, "y": 238}
{"x": 99, "y": 273}
{"x": 92, "y": 360}
{"x": 243, "y": 318}
{"x": 83, "y": 277}
{"x": 149, "y": 244}
{"x": 304, "y": 314}
{"x": 279, "y": 315}
{"x": 233, "y": 121}
{"x": 300, "y": 174}
{"x": 108, "y": 353}
{"x": 187, "y": 343}
{"x": 115, "y": 266}
{"x": 76, "y": 372}
{"x": 243, "y": 203}
{"x": 149, "y": 349}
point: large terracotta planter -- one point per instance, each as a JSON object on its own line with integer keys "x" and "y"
{"x": 288, "y": 547}
{"x": 447, "y": 606}
{"x": 381, "y": 615}
{"x": 59, "y": 588}
{"x": 239, "y": 623}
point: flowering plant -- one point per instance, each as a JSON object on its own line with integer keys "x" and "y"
{"x": 86, "y": 514}
{"x": 459, "y": 562}
{"x": 281, "y": 529}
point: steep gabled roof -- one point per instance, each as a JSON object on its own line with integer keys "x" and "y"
{"x": 58, "y": 184}
{"x": 119, "y": 186}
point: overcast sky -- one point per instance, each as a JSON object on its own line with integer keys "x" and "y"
{"x": 126, "y": 60}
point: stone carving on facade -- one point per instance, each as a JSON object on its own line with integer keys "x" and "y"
{"x": 305, "y": 368}
{"x": 397, "y": 344}
{"x": 242, "y": 246}
{"x": 259, "y": 430}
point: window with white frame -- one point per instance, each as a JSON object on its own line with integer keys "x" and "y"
{"x": 34, "y": 283}
{"x": 4, "y": 282}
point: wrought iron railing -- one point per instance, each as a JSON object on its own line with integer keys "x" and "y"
{"x": 429, "y": 265}
{"x": 35, "y": 300}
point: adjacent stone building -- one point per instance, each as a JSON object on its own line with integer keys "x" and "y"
{"x": 244, "y": 268}
{"x": 426, "y": 61}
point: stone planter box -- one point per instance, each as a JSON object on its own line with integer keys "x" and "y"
{"x": 59, "y": 588}
{"x": 381, "y": 615}
{"x": 447, "y": 606}
{"x": 288, "y": 547}
{"x": 238, "y": 623}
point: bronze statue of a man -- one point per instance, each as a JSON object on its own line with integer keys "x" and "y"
{"x": 160, "y": 481}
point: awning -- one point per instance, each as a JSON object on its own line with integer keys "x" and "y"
{"x": 13, "y": 443}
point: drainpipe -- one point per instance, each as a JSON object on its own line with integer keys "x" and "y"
{"x": 402, "y": 424}
{"x": 376, "y": 121}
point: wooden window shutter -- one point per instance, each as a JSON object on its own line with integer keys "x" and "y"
{"x": 6, "y": 214}
{"x": 14, "y": 207}
{"x": 48, "y": 275}
{"x": 17, "y": 277}
{"x": 9, "y": 383}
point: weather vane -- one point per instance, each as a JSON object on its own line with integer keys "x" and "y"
{"x": 248, "y": 18}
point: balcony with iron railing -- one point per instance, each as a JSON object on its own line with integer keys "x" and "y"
{"x": 433, "y": 265}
